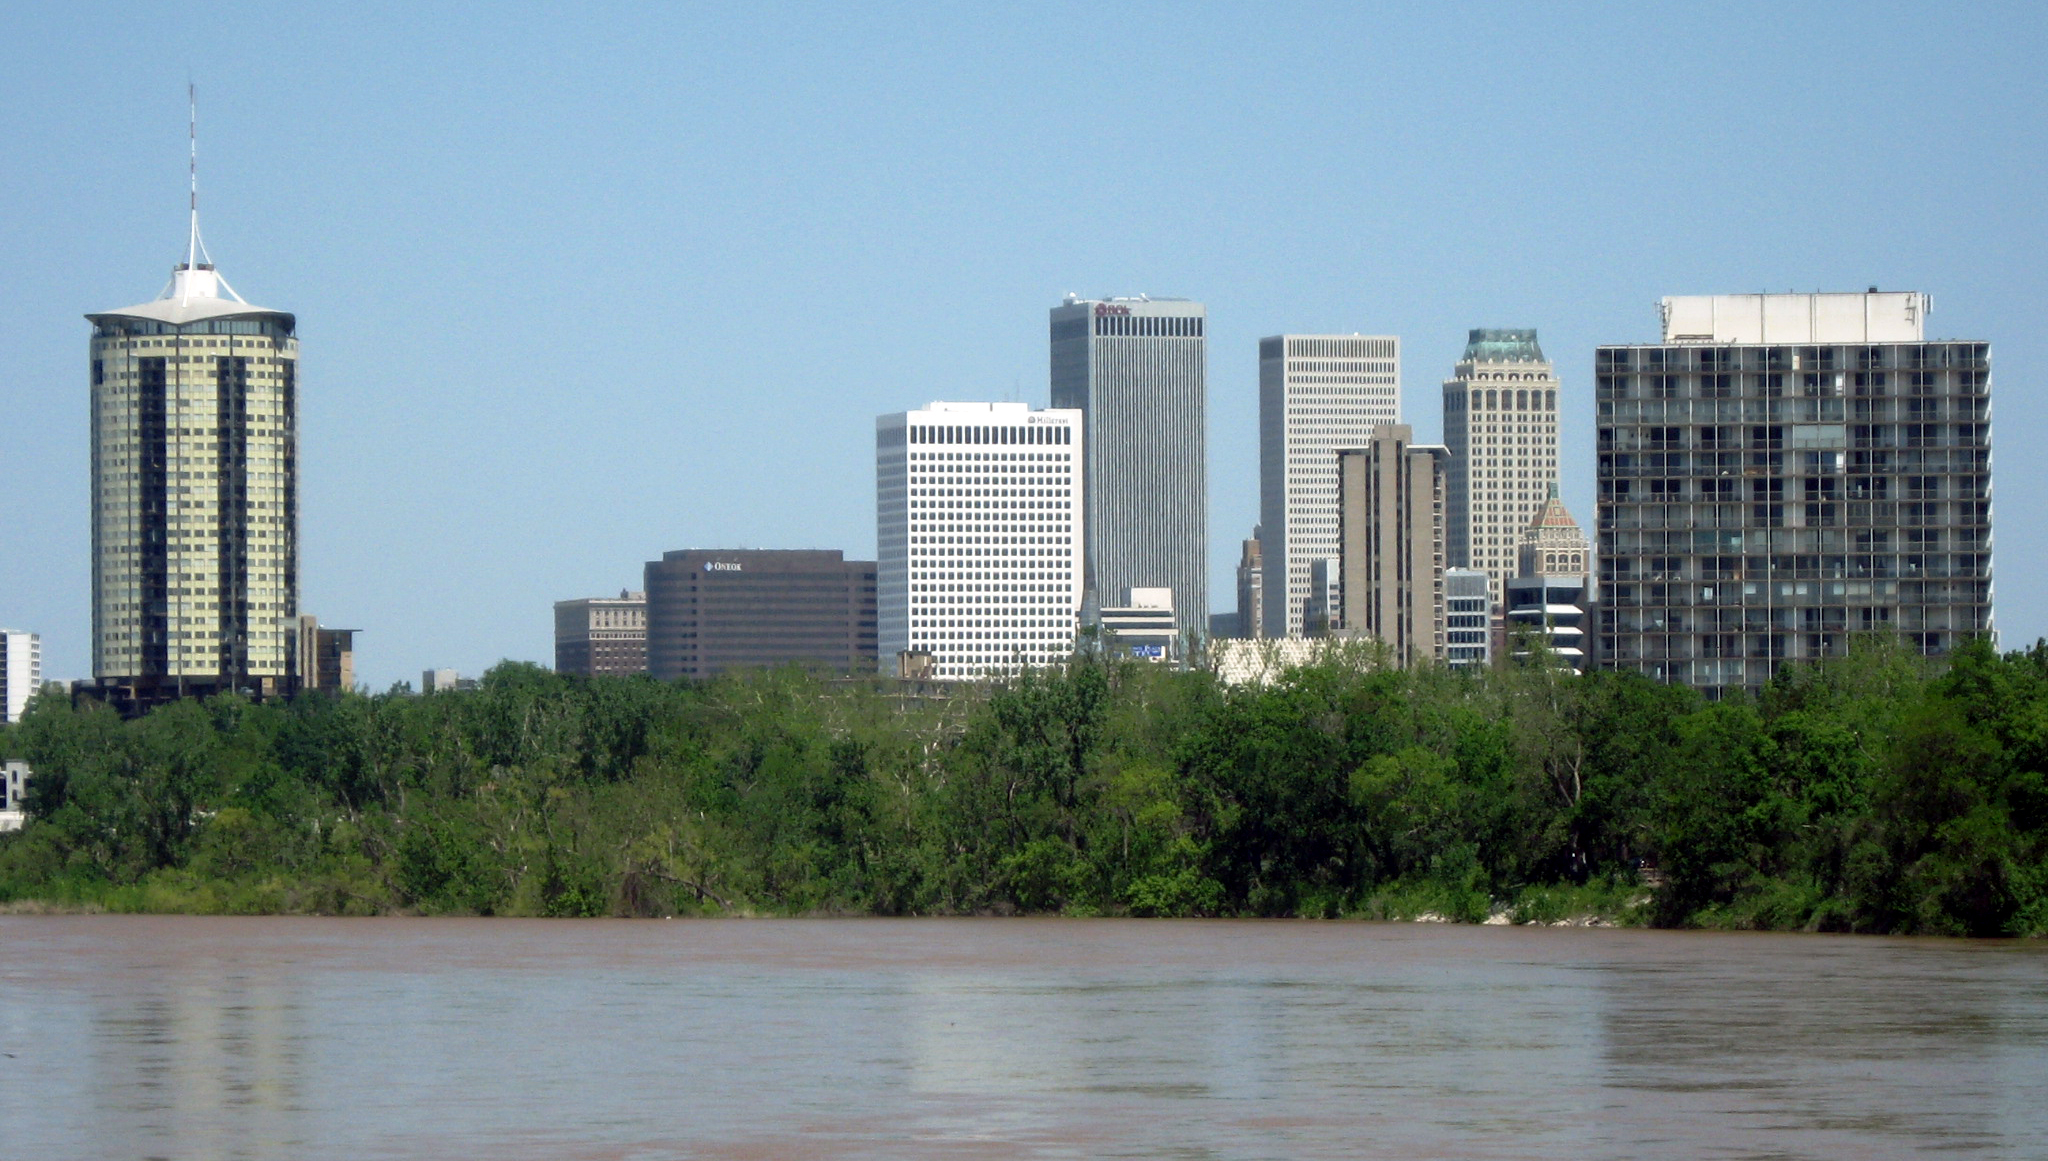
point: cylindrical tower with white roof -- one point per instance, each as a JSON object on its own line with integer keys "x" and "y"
{"x": 194, "y": 494}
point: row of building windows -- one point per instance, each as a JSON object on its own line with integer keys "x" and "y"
{"x": 1043, "y": 434}
{"x": 124, "y": 326}
{"x": 1501, "y": 399}
{"x": 1141, "y": 326}
{"x": 1823, "y": 385}
{"x": 1726, "y": 358}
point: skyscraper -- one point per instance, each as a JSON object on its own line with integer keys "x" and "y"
{"x": 1549, "y": 593}
{"x": 979, "y": 519}
{"x": 1318, "y": 394}
{"x": 1137, "y": 369}
{"x": 1391, "y": 543}
{"x": 1251, "y": 588}
{"x": 1782, "y": 471}
{"x": 1500, "y": 423}
{"x": 195, "y": 568}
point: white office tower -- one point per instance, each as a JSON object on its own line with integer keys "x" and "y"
{"x": 195, "y": 566}
{"x": 979, "y": 530}
{"x": 21, "y": 671}
{"x": 1137, "y": 369}
{"x": 1318, "y": 394}
{"x": 1500, "y": 422}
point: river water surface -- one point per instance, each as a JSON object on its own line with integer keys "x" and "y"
{"x": 369, "y": 1038}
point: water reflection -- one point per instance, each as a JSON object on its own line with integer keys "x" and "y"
{"x": 306, "y": 1038}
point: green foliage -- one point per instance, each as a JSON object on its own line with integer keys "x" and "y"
{"x": 1879, "y": 792}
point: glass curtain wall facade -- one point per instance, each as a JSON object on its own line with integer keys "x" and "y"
{"x": 1318, "y": 394}
{"x": 980, "y": 526}
{"x": 1137, "y": 368}
{"x": 1763, "y": 502}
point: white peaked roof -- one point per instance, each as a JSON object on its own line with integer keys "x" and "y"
{"x": 194, "y": 295}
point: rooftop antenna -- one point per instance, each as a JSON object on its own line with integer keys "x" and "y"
{"x": 196, "y": 278}
{"x": 194, "y": 248}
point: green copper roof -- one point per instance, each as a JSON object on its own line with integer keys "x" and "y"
{"x": 1503, "y": 346}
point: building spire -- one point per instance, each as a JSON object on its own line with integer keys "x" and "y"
{"x": 194, "y": 248}
{"x": 196, "y": 278}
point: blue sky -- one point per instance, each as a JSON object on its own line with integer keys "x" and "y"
{"x": 577, "y": 286}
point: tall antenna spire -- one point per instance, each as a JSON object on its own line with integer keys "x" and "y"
{"x": 194, "y": 248}
{"x": 196, "y": 278}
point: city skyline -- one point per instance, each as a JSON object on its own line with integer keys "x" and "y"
{"x": 799, "y": 174}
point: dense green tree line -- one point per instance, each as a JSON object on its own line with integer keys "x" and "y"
{"x": 1877, "y": 793}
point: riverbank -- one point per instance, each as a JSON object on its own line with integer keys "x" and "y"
{"x": 1875, "y": 794}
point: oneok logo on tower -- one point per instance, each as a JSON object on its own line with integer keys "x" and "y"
{"x": 722, "y": 566}
{"x": 1105, "y": 310}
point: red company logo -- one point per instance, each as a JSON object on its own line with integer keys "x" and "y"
{"x": 1105, "y": 310}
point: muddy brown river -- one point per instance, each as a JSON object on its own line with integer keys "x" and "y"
{"x": 140, "y": 1037}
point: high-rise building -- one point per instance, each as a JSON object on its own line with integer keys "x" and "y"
{"x": 602, "y": 635}
{"x": 1251, "y": 582}
{"x": 195, "y": 567}
{"x": 710, "y": 611}
{"x": 1322, "y": 611}
{"x": 1318, "y": 394}
{"x": 326, "y": 657}
{"x": 1390, "y": 506}
{"x": 21, "y": 671}
{"x": 980, "y": 523}
{"x": 1551, "y": 591}
{"x": 1468, "y": 611}
{"x": 1552, "y": 610}
{"x": 1500, "y": 423}
{"x": 1783, "y": 471}
{"x": 1552, "y": 544}
{"x": 1137, "y": 369}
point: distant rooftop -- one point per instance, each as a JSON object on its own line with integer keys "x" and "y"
{"x": 972, "y": 408}
{"x": 1516, "y": 345}
{"x": 1871, "y": 316}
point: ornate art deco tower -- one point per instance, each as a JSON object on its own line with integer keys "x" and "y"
{"x": 195, "y": 571}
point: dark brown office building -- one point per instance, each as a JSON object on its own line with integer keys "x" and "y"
{"x": 709, "y": 611}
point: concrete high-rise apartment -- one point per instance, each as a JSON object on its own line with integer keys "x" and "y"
{"x": 710, "y": 611}
{"x": 1251, "y": 587}
{"x": 1390, "y": 505}
{"x": 602, "y": 635}
{"x": 194, "y": 422}
{"x": 980, "y": 518}
{"x": 1318, "y": 394}
{"x": 1783, "y": 471}
{"x": 1500, "y": 423}
{"x": 1137, "y": 368}
{"x": 21, "y": 671}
